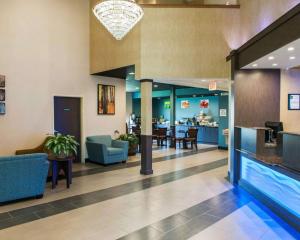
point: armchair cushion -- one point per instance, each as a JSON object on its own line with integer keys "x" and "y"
{"x": 114, "y": 151}
{"x": 105, "y": 139}
{"x": 119, "y": 144}
{"x": 104, "y": 150}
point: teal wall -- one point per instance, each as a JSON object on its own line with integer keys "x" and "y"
{"x": 163, "y": 93}
{"x": 215, "y": 104}
{"x": 158, "y": 108}
{"x": 190, "y": 91}
{"x": 194, "y": 109}
{"x": 136, "y": 106}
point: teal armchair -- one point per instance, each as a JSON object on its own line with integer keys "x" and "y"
{"x": 23, "y": 176}
{"x": 104, "y": 150}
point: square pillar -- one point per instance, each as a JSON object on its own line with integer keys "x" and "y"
{"x": 146, "y": 128}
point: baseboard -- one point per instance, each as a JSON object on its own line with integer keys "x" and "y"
{"x": 222, "y": 148}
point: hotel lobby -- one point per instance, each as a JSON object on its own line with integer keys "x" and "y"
{"x": 150, "y": 119}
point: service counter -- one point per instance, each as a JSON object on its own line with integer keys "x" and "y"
{"x": 270, "y": 170}
{"x": 206, "y": 134}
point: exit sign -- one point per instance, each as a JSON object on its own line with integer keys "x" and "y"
{"x": 212, "y": 86}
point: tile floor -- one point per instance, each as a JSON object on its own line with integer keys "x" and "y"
{"x": 187, "y": 197}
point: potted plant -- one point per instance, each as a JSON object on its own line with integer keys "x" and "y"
{"x": 62, "y": 146}
{"x": 133, "y": 143}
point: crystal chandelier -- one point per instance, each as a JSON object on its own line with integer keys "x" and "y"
{"x": 118, "y": 16}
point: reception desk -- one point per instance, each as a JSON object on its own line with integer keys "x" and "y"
{"x": 270, "y": 171}
{"x": 206, "y": 134}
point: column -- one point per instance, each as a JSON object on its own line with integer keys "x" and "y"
{"x": 173, "y": 106}
{"x": 146, "y": 134}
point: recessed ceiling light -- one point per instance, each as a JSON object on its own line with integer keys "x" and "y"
{"x": 290, "y": 49}
{"x": 255, "y": 65}
{"x": 132, "y": 73}
{"x": 274, "y": 64}
{"x": 271, "y": 58}
{"x": 292, "y": 57}
{"x": 203, "y": 80}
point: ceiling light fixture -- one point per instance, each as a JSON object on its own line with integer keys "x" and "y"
{"x": 255, "y": 65}
{"x": 292, "y": 58}
{"x": 118, "y": 16}
{"x": 274, "y": 64}
{"x": 132, "y": 73}
{"x": 290, "y": 49}
{"x": 271, "y": 58}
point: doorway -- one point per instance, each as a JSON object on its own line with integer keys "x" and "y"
{"x": 67, "y": 119}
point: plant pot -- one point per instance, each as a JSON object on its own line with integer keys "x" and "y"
{"x": 132, "y": 150}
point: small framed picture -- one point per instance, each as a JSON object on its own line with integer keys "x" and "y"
{"x": 2, "y": 81}
{"x": 2, "y": 94}
{"x": 106, "y": 99}
{"x": 2, "y": 108}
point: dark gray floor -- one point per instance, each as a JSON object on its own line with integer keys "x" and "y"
{"x": 193, "y": 220}
{"x": 20, "y": 216}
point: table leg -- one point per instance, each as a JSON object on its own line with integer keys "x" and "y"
{"x": 54, "y": 174}
{"x": 70, "y": 171}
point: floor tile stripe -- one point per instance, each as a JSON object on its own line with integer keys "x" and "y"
{"x": 102, "y": 169}
{"x": 193, "y": 220}
{"x": 24, "y": 215}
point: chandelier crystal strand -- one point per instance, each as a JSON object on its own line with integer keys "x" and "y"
{"x": 118, "y": 16}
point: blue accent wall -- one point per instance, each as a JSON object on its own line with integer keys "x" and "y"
{"x": 215, "y": 104}
{"x": 136, "y": 106}
{"x": 158, "y": 107}
{"x": 195, "y": 109}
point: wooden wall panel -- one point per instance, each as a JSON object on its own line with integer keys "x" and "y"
{"x": 257, "y": 97}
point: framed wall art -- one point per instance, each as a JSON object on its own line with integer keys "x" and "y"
{"x": 2, "y": 108}
{"x": 2, "y": 94}
{"x": 2, "y": 81}
{"x": 185, "y": 104}
{"x": 106, "y": 99}
{"x": 294, "y": 102}
{"x": 204, "y": 103}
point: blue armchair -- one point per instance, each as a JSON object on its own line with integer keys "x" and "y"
{"x": 23, "y": 176}
{"x": 104, "y": 150}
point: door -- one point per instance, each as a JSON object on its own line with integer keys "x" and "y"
{"x": 67, "y": 118}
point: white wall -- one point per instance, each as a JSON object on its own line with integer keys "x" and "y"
{"x": 256, "y": 15}
{"x": 290, "y": 83}
{"x": 44, "y": 50}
